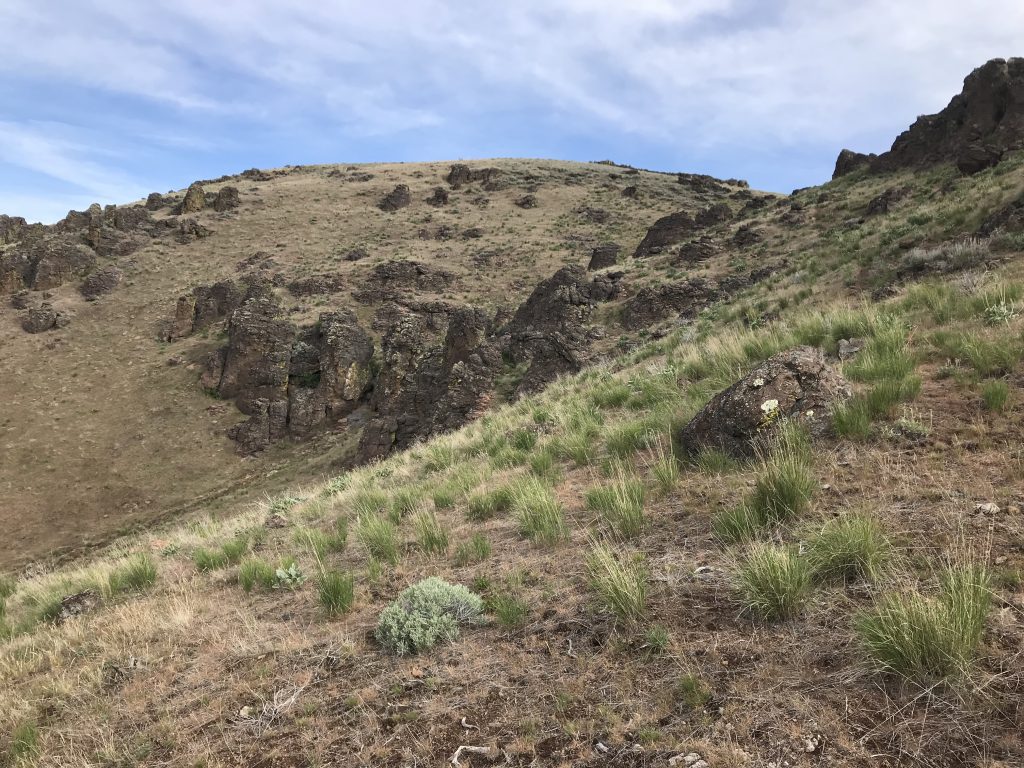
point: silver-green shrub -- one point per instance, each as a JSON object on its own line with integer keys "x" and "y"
{"x": 425, "y": 614}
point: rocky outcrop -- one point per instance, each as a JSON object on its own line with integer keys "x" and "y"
{"x": 797, "y": 384}
{"x": 460, "y": 175}
{"x": 316, "y": 285}
{"x": 44, "y": 318}
{"x": 209, "y": 304}
{"x": 155, "y": 201}
{"x": 100, "y": 282}
{"x": 604, "y": 256}
{"x": 194, "y": 200}
{"x": 397, "y": 198}
{"x": 666, "y": 231}
{"x": 1009, "y": 218}
{"x": 983, "y": 122}
{"x": 849, "y": 161}
{"x": 527, "y": 201}
{"x": 884, "y": 202}
{"x": 189, "y": 230}
{"x": 438, "y": 198}
{"x": 226, "y": 199}
{"x": 697, "y": 250}
{"x": 427, "y": 387}
{"x": 713, "y": 214}
{"x": 395, "y": 279}
{"x": 11, "y": 228}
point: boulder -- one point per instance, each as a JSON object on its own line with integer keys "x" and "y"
{"x": 460, "y": 175}
{"x": 1009, "y": 218}
{"x": 713, "y": 214}
{"x": 697, "y": 250}
{"x": 194, "y": 200}
{"x": 796, "y": 384}
{"x": 976, "y": 157}
{"x": 155, "y": 201}
{"x": 316, "y": 285}
{"x": 746, "y": 236}
{"x": 397, "y": 198}
{"x": 101, "y": 282}
{"x": 604, "y": 256}
{"x": 666, "y": 231}
{"x": 44, "y": 318}
{"x": 632, "y": 192}
{"x": 884, "y": 202}
{"x": 527, "y": 201}
{"x": 438, "y": 198}
{"x": 227, "y": 199}
{"x": 11, "y": 228}
{"x": 189, "y": 230}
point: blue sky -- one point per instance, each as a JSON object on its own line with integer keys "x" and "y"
{"x": 107, "y": 100}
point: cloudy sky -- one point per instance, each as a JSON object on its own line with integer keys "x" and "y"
{"x": 107, "y": 100}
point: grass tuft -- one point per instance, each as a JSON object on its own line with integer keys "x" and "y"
{"x": 431, "y": 534}
{"x": 509, "y": 610}
{"x": 255, "y": 572}
{"x": 620, "y": 585}
{"x": 775, "y": 583}
{"x": 537, "y": 511}
{"x": 138, "y": 574}
{"x": 380, "y": 537}
{"x": 848, "y": 548}
{"x": 620, "y": 503}
{"x": 476, "y": 550}
{"x": 994, "y": 395}
{"x": 336, "y": 592}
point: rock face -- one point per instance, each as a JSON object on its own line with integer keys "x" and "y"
{"x": 194, "y": 200}
{"x": 227, "y": 199}
{"x": 849, "y": 161}
{"x": 796, "y": 384}
{"x": 397, "y": 198}
{"x": 155, "y": 201}
{"x": 604, "y": 256}
{"x": 884, "y": 202}
{"x": 395, "y": 279}
{"x": 978, "y": 126}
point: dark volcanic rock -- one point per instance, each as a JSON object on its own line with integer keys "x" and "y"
{"x": 316, "y": 285}
{"x": 746, "y": 235}
{"x": 632, "y": 192}
{"x": 527, "y": 201}
{"x": 604, "y": 256}
{"x": 100, "y": 282}
{"x": 356, "y": 254}
{"x": 43, "y": 318}
{"x": 460, "y": 175}
{"x": 849, "y": 161}
{"x": 883, "y": 202}
{"x": 796, "y": 384}
{"x": 981, "y": 123}
{"x": 397, "y": 198}
{"x": 11, "y": 228}
{"x": 713, "y": 214}
{"x": 666, "y": 231}
{"x": 155, "y": 201}
{"x": 190, "y": 230}
{"x": 227, "y": 199}
{"x": 1010, "y": 218}
{"x": 655, "y": 303}
{"x": 438, "y": 198}
{"x": 56, "y": 260}
{"x": 21, "y": 300}
{"x": 394, "y": 279}
{"x": 593, "y": 215}
{"x": 194, "y": 200}
{"x": 698, "y": 250}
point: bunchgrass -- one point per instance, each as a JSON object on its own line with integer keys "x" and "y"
{"x": 321, "y": 543}
{"x": 431, "y": 534}
{"x": 785, "y": 482}
{"x": 483, "y": 505}
{"x": 852, "y": 419}
{"x": 369, "y": 501}
{"x": 927, "y": 638}
{"x": 444, "y": 497}
{"x": 404, "y": 502}
{"x": 136, "y": 575}
{"x": 620, "y": 582}
{"x": 737, "y": 524}
{"x": 476, "y": 550}
{"x": 665, "y": 468}
{"x": 710, "y": 461}
{"x": 538, "y": 512}
{"x": 625, "y": 439}
{"x": 380, "y": 538}
{"x": 774, "y": 582}
{"x": 544, "y": 465}
{"x": 994, "y": 395}
{"x": 336, "y": 591}
{"x": 254, "y": 572}
{"x": 849, "y": 548}
{"x": 509, "y": 610}
{"x": 620, "y": 504}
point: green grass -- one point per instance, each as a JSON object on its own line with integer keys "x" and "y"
{"x": 444, "y": 497}
{"x": 620, "y": 583}
{"x": 320, "y": 543}
{"x": 737, "y": 524}
{"x": 370, "y": 501}
{"x": 625, "y": 439}
{"x": 988, "y": 357}
{"x": 620, "y": 504}
{"x": 885, "y": 394}
{"x": 509, "y": 610}
{"x": 255, "y": 572}
{"x": 994, "y": 395}
{"x": 380, "y": 538}
{"x": 8, "y": 587}
{"x": 537, "y": 512}
{"x": 336, "y": 592}
{"x": 24, "y": 744}
{"x": 431, "y": 534}
{"x": 483, "y": 505}
{"x": 610, "y": 394}
{"x": 886, "y": 355}
{"x": 523, "y": 439}
{"x": 404, "y": 502}
{"x": 476, "y": 550}
{"x": 850, "y": 547}
{"x": 775, "y": 583}
{"x": 852, "y": 419}
{"x": 710, "y": 461}
{"x": 138, "y": 574}
{"x": 926, "y": 638}
{"x": 785, "y": 482}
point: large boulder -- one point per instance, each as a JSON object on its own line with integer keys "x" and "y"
{"x": 460, "y": 175}
{"x": 604, "y": 256}
{"x": 44, "y": 318}
{"x": 397, "y": 198}
{"x": 796, "y": 384}
{"x": 100, "y": 282}
{"x": 194, "y": 200}
{"x": 666, "y": 231}
{"x": 227, "y": 199}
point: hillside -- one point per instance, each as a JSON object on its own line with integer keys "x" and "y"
{"x": 745, "y": 492}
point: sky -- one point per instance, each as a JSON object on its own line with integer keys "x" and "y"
{"x": 108, "y": 100}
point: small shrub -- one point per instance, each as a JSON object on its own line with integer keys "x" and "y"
{"x": 336, "y": 592}
{"x": 924, "y": 638}
{"x": 849, "y": 547}
{"x": 425, "y": 614}
{"x": 137, "y": 574}
{"x": 380, "y": 537}
{"x": 994, "y": 395}
{"x": 538, "y": 512}
{"x": 486, "y": 504}
{"x": 290, "y": 577}
{"x": 620, "y": 586}
{"x": 621, "y": 504}
{"x": 775, "y": 583}
{"x": 509, "y": 610}
{"x": 432, "y": 536}
{"x": 476, "y": 550}
{"x": 254, "y": 573}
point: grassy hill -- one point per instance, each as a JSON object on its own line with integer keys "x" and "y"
{"x": 637, "y": 608}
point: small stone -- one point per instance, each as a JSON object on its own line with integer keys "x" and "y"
{"x": 1001, "y": 560}
{"x": 989, "y": 508}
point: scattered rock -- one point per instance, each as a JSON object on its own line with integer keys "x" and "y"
{"x": 356, "y": 254}
{"x": 227, "y": 199}
{"x": 77, "y": 605}
{"x": 746, "y": 236}
{"x": 632, "y": 192}
{"x": 316, "y": 285}
{"x": 883, "y": 203}
{"x": 527, "y": 201}
{"x": 795, "y": 384}
{"x": 472, "y": 233}
{"x": 593, "y": 215}
{"x": 438, "y": 198}
{"x": 190, "y": 230}
{"x": 155, "y": 201}
{"x": 397, "y": 198}
{"x": 713, "y": 214}
{"x": 460, "y": 175}
{"x": 666, "y": 231}
{"x": 21, "y": 300}
{"x": 697, "y": 250}
{"x": 395, "y": 279}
